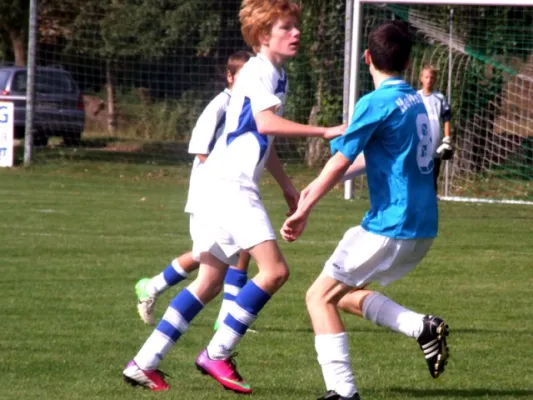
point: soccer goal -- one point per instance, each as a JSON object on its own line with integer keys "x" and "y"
{"x": 483, "y": 51}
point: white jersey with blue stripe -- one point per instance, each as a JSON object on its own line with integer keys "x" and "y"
{"x": 208, "y": 129}
{"x": 240, "y": 154}
{"x": 391, "y": 126}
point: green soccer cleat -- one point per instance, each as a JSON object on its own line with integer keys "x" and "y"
{"x": 217, "y": 326}
{"x": 146, "y": 302}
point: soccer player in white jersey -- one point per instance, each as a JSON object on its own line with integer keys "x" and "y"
{"x": 208, "y": 129}
{"x": 391, "y": 126}
{"x": 440, "y": 114}
{"x": 232, "y": 217}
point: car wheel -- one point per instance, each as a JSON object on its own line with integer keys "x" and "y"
{"x": 71, "y": 138}
{"x": 40, "y": 139}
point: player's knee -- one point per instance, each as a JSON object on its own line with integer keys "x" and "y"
{"x": 278, "y": 276}
{"x": 313, "y": 298}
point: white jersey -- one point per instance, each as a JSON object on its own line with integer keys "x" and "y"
{"x": 209, "y": 127}
{"x": 438, "y": 110}
{"x": 239, "y": 155}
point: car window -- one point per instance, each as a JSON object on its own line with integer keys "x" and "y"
{"x": 4, "y": 75}
{"x": 53, "y": 82}
{"x": 19, "y": 82}
{"x": 45, "y": 82}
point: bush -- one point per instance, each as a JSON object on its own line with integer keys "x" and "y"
{"x": 141, "y": 117}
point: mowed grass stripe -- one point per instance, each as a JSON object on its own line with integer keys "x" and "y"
{"x": 74, "y": 240}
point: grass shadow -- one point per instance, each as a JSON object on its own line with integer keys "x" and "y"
{"x": 464, "y": 393}
{"x": 111, "y": 150}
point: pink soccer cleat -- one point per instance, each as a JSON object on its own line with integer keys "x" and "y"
{"x": 223, "y": 371}
{"x": 149, "y": 379}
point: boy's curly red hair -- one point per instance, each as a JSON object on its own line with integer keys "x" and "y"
{"x": 258, "y": 16}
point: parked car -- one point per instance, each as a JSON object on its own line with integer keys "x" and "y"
{"x": 59, "y": 109}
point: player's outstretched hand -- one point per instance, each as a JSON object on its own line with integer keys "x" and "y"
{"x": 294, "y": 226}
{"x": 335, "y": 131}
{"x": 292, "y": 197}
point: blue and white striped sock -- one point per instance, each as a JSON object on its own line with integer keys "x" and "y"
{"x": 233, "y": 283}
{"x": 248, "y": 303}
{"x": 171, "y": 275}
{"x": 182, "y": 310}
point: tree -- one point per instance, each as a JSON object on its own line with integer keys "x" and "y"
{"x": 316, "y": 75}
{"x": 14, "y": 17}
{"x": 120, "y": 30}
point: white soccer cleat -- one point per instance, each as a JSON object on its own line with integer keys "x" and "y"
{"x": 146, "y": 302}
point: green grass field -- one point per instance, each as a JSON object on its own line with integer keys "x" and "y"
{"x": 76, "y": 237}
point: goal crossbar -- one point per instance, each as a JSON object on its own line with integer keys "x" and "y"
{"x": 512, "y": 3}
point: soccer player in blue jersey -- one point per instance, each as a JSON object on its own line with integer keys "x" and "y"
{"x": 207, "y": 131}
{"x": 231, "y": 216}
{"x": 391, "y": 126}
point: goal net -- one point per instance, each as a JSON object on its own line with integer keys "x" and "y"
{"x": 147, "y": 69}
{"x": 484, "y": 57}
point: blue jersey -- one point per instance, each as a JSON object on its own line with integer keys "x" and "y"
{"x": 391, "y": 126}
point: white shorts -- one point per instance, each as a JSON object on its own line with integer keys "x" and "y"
{"x": 193, "y": 226}
{"x": 362, "y": 257}
{"x": 238, "y": 222}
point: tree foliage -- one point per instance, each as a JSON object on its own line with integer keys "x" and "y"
{"x": 122, "y": 42}
{"x": 14, "y": 27}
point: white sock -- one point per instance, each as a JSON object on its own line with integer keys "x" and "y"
{"x": 334, "y": 358}
{"x": 153, "y": 351}
{"x": 157, "y": 285}
{"x": 225, "y": 338}
{"x": 223, "y": 343}
{"x": 226, "y": 304}
{"x": 384, "y": 312}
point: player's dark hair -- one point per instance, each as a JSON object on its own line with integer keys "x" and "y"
{"x": 390, "y": 45}
{"x": 237, "y": 60}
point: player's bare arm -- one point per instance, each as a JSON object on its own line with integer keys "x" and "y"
{"x": 306, "y": 191}
{"x": 274, "y": 166}
{"x": 357, "y": 168}
{"x": 202, "y": 157}
{"x": 332, "y": 173}
{"x": 268, "y": 123}
{"x": 447, "y": 129}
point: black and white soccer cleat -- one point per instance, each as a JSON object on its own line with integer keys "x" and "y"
{"x": 433, "y": 343}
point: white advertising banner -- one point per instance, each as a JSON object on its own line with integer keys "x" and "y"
{"x": 7, "y": 123}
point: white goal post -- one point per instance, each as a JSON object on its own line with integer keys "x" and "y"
{"x": 354, "y": 59}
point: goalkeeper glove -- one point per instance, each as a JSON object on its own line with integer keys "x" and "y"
{"x": 445, "y": 150}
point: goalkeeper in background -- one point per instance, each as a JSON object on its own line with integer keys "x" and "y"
{"x": 440, "y": 114}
